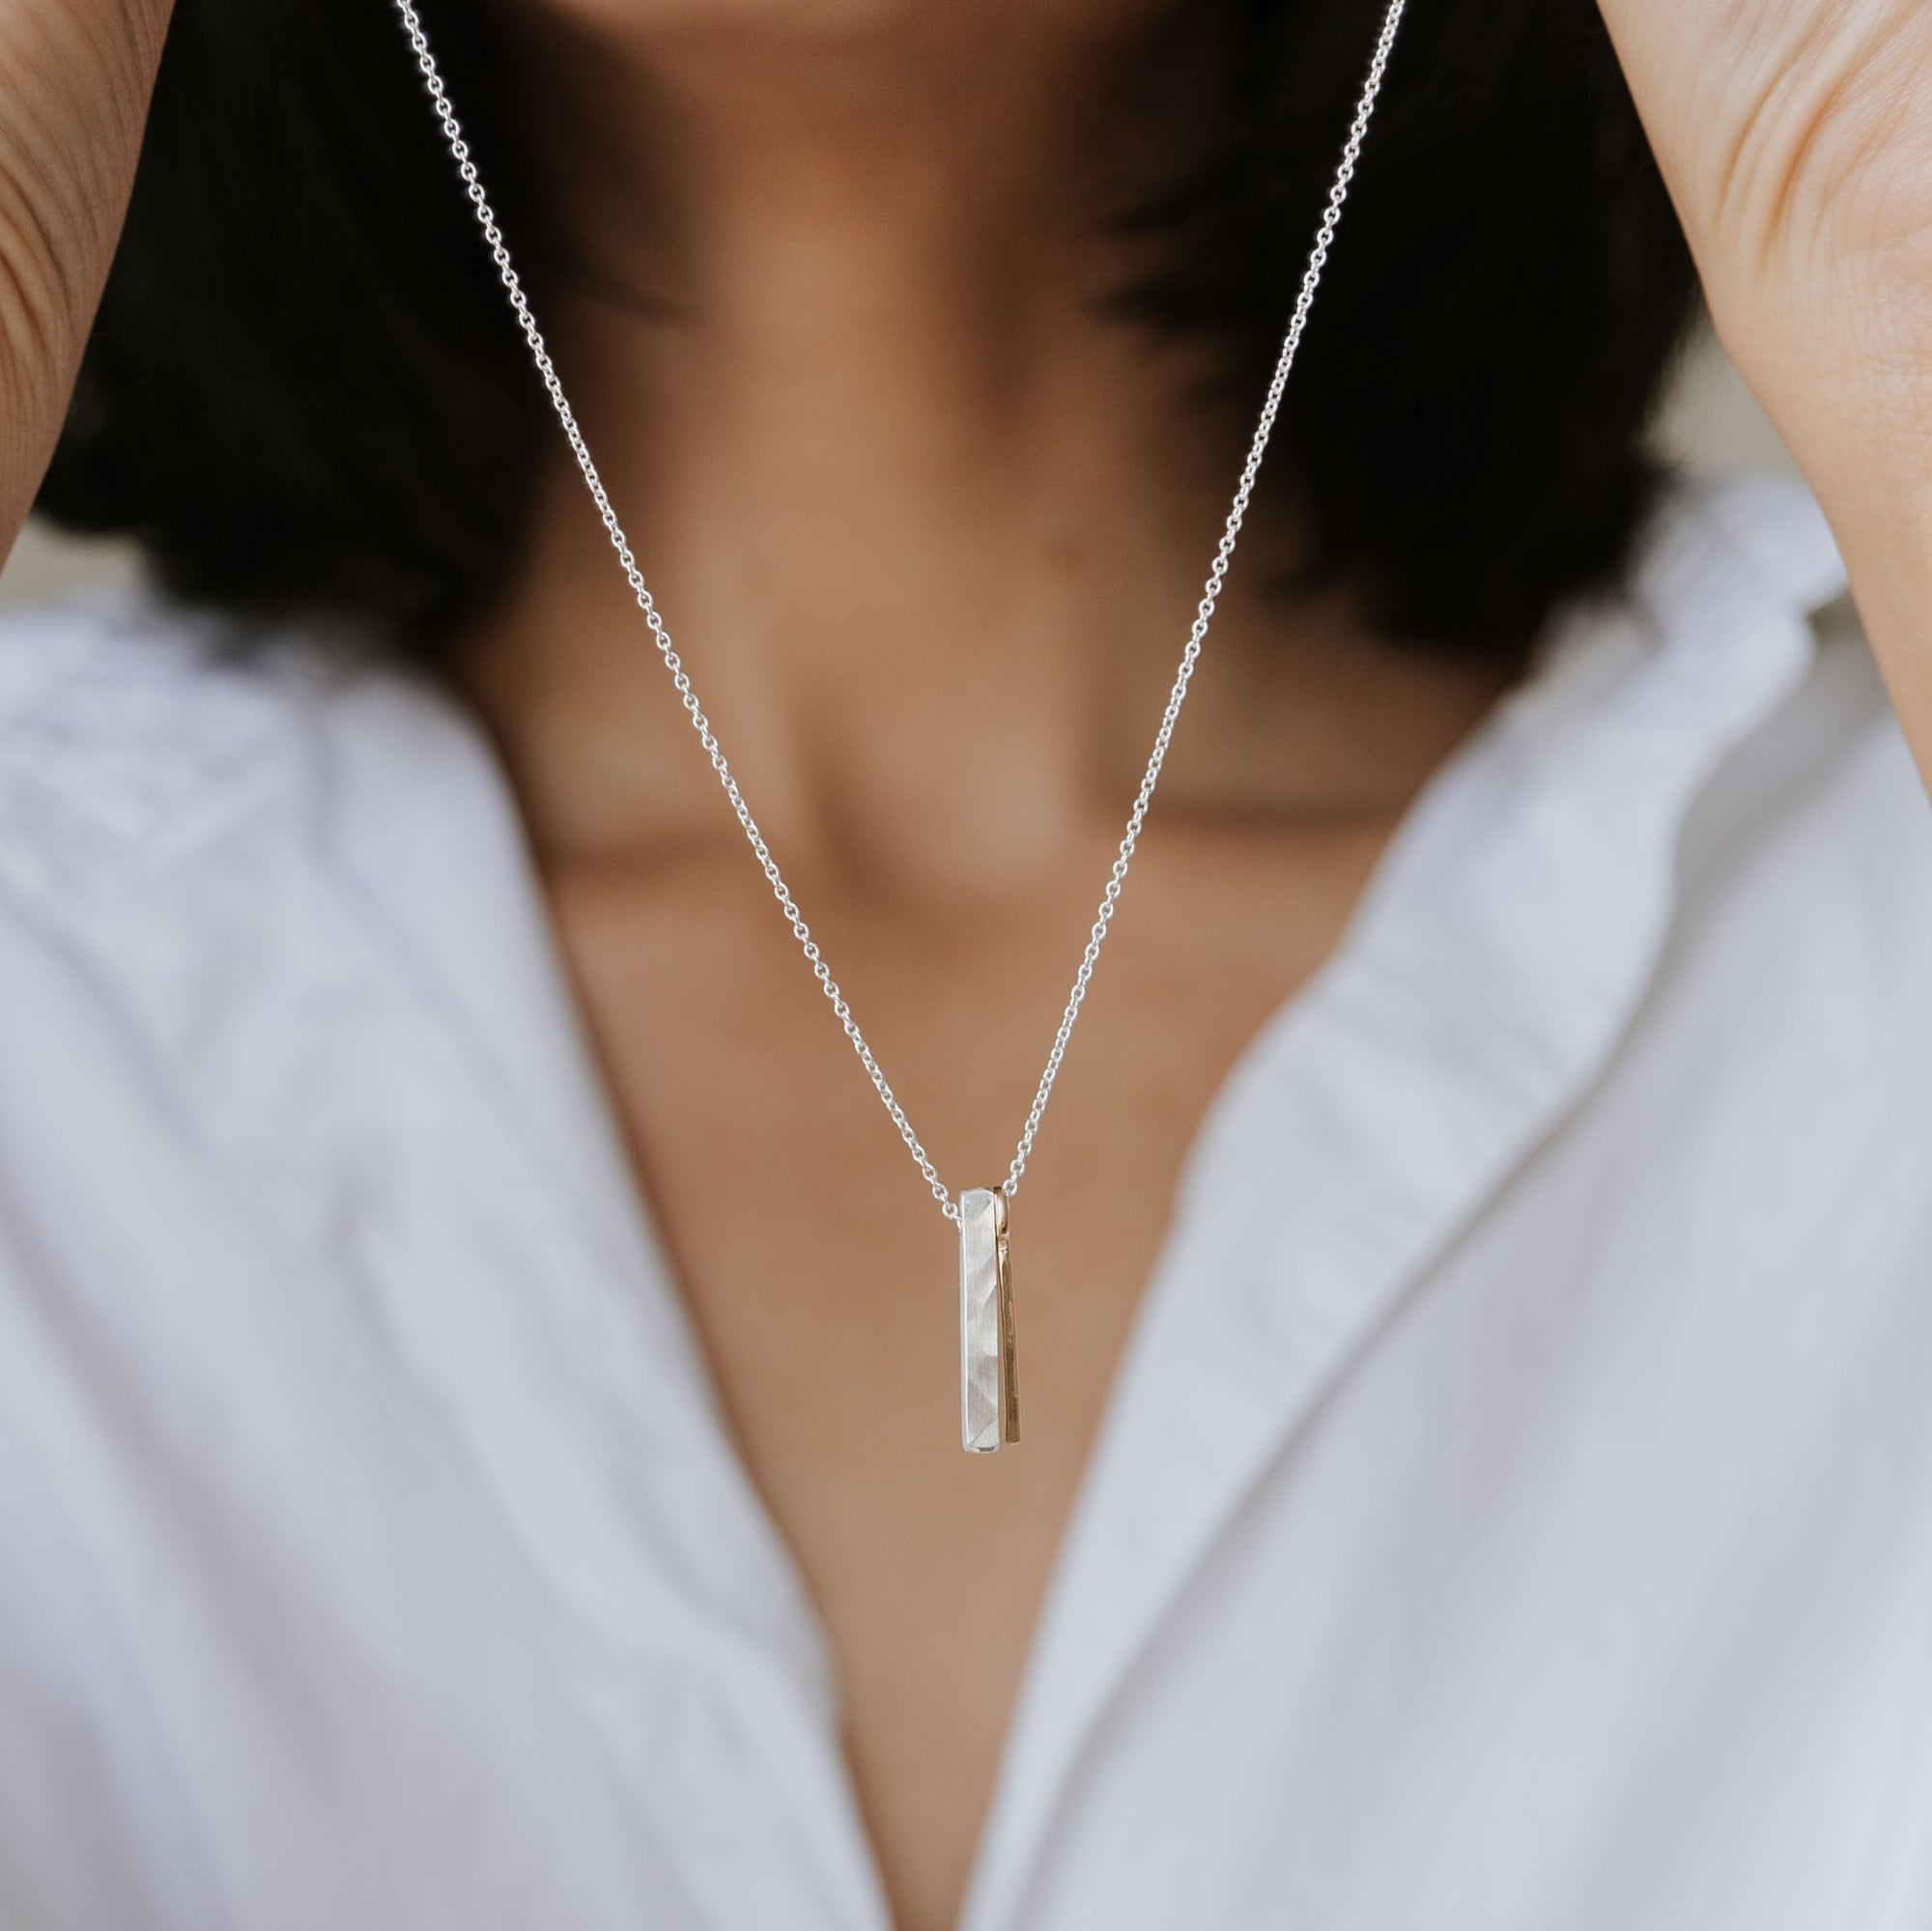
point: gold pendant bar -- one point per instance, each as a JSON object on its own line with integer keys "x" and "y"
{"x": 989, "y": 1391}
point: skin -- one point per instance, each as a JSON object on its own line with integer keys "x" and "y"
{"x": 930, "y": 536}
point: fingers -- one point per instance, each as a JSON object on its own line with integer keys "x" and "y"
{"x": 76, "y": 77}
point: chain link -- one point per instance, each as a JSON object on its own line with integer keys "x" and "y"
{"x": 1190, "y": 655}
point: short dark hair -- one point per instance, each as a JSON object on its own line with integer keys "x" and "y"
{"x": 304, "y": 391}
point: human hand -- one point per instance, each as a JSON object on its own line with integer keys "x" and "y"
{"x": 74, "y": 80}
{"x": 1796, "y": 136}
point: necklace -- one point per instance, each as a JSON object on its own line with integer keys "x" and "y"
{"x": 989, "y": 1401}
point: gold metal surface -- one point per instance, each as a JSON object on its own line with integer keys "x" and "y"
{"x": 1009, "y": 1373}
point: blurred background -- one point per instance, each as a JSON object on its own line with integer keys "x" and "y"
{"x": 1709, "y": 422}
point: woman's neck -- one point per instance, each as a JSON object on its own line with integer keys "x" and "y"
{"x": 928, "y": 528}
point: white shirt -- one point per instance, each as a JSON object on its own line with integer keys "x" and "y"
{"x": 1514, "y": 1512}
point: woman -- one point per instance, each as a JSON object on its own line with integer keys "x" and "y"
{"x": 475, "y": 1363}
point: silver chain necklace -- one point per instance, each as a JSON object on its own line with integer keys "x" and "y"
{"x": 988, "y": 1380}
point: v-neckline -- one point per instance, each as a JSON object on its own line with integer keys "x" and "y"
{"x": 1255, "y": 1305}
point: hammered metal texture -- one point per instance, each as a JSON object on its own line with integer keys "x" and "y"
{"x": 981, "y": 1359}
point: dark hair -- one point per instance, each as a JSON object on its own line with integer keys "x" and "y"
{"x": 304, "y": 391}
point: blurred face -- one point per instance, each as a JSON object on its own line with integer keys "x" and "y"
{"x": 826, "y": 21}
{"x": 629, "y": 87}
{"x": 667, "y": 126}
{"x": 633, "y": 19}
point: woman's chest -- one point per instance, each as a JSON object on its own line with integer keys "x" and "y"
{"x": 821, "y": 1277}
{"x": 1574, "y": 1589}
{"x": 1513, "y": 1504}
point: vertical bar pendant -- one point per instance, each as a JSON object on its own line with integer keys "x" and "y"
{"x": 990, "y": 1393}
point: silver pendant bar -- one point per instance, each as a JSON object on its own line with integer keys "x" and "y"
{"x": 989, "y": 1393}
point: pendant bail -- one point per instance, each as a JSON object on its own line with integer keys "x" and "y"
{"x": 989, "y": 1393}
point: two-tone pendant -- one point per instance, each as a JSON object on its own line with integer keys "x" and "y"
{"x": 989, "y": 1391}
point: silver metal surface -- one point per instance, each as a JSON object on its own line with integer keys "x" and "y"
{"x": 989, "y": 1401}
